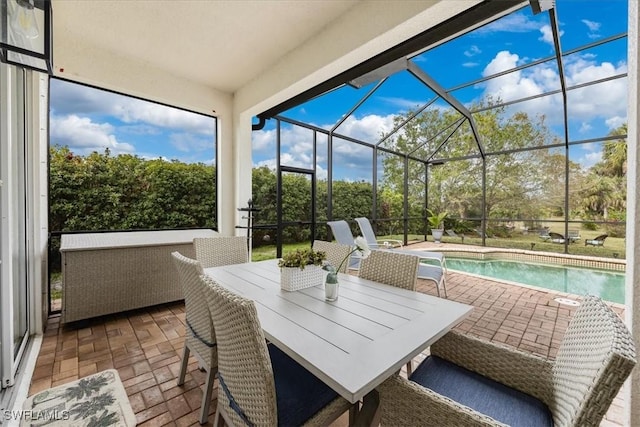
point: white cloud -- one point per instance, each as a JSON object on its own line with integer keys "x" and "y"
{"x": 517, "y": 84}
{"x": 270, "y": 163}
{"x": 296, "y": 146}
{"x": 68, "y": 98}
{"x": 585, "y": 127}
{"x": 472, "y": 51}
{"x": 139, "y": 129}
{"x": 600, "y": 100}
{"x": 84, "y": 136}
{"x": 131, "y": 110}
{"x": 583, "y": 70}
{"x": 403, "y": 104}
{"x": 615, "y": 122}
{"x": 71, "y": 98}
{"x": 504, "y": 60}
{"x": 470, "y": 64}
{"x": 589, "y": 154}
{"x": 586, "y": 104}
{"x": 263, "y": 140}
{"x": 368, "y": 128}
{"x": 590, "y": 159}
{"x": 513, "y": 23}
{"x": 191, "y": 143}
{"x": 321, "y": 173}
{"x": 592, "y": 25}
{"x": 547, "y": 34}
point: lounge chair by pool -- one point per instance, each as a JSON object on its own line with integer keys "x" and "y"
{"x": 556, "y": 237}
{"x": 573, "y": 235}
{"x": 598, "y": 241}
{"x": 544, "y": 234}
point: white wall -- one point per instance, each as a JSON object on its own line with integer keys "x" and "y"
{"x": 37, "y": 201}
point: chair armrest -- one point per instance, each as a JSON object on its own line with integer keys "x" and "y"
{"x": 403, "y": 402}
{"x": 526, "y": 372}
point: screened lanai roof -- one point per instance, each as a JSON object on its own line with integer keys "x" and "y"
{"x": 565, "y": 66}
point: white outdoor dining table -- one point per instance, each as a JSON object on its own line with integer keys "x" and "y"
{"x": 352, "y": 344}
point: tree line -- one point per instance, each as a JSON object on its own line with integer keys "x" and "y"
{"x": 525, "y": 169}
{"x": 100, "y": 191}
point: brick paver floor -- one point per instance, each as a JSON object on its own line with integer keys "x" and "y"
{"x": 145, "y": 346}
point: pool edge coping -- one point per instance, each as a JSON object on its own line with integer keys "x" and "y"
{"x": 618, "y": 265}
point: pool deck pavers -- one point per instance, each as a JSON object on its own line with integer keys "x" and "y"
{"x": 145, "y": 345}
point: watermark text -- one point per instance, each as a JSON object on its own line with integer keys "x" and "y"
{"x": 33, "y": 415}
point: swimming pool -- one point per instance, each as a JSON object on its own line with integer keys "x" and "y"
{"x": 608, "y": 285}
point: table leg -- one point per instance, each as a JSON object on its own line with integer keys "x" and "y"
{"x": 369, "y": 414}
{"x": 353, "y": 413}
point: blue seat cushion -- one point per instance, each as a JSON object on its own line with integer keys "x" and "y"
{"x": 299, "y": 393}
{"x": 502, "y": 403}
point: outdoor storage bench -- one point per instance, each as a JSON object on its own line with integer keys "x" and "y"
{"x": 105, "y": 273}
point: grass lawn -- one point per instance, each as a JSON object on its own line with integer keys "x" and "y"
{"x": 531, "y": 241}
{"x": 269, "y": 251}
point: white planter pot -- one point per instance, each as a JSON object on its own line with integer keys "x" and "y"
{"x": 437, "y": 234}
{"x": 293, "y": 279}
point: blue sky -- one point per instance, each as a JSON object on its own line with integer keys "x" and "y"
{"x": 86, "y": 119}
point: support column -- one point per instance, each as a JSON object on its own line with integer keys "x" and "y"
{"x": 632, "y": 289}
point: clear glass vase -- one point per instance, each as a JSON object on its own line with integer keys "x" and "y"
{"x": 331, "y": 287}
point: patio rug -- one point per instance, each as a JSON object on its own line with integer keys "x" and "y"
{"x": 96, "y": 400}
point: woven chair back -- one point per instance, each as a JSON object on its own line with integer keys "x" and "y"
{"x": 247, "y": 386}
{"x": 336, "y": 253}
{"x": 392, "y": 268}
{"x": 200, "y": 333}
{"x": 595, "y": 357}
{"x": 221, "y": 250}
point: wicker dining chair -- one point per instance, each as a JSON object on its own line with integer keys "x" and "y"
{"x": 391, "y": 268}
{"x": 221, "y": 250}
{"x": 336, "y": 253}
{"x": 200, "y": 337}
{"x": 472, "y": 382}
{"x": 260, "y": 385}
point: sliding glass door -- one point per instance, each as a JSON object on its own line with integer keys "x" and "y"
{"x": 14, "y": 290}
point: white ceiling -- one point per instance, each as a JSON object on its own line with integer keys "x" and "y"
{"x": 221, "y": 44}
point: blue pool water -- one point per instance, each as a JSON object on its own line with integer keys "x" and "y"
{"x": 608, "y": 285}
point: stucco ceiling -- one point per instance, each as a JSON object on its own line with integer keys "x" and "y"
{"x": 221, "y": 44}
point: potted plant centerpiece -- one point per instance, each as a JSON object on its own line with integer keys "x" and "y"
{"x": 436, "y": 223}
{"x": 331, "y": 282}
{"x": 301, "y": 269}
